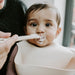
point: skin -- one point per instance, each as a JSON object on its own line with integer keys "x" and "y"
{"x": 42, "y": 22}
{"x": 1, "y": 3}
{"x": 5, "y": 46}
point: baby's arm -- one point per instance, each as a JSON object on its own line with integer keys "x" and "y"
{"x": 71, "y": 64}
{"x": 11, "y": 66}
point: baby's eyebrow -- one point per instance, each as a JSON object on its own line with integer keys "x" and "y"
{"x": 49, "y": 20}
{"x": 31, "y": 20}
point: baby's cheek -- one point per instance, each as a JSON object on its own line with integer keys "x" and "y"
{"x": 50, "y": 37}
{"x": 30, "y": 30}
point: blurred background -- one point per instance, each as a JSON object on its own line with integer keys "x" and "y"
{"x": 67, "y": 12}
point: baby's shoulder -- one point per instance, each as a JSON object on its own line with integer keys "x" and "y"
{"x": 65, "y": 50}
{"x": 60, "y": 48}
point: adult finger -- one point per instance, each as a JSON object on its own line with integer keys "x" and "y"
{"x": 10, "y": 42}
{"x": 4, "y": 35}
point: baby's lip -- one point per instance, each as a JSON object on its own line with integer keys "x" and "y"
{"x": 1, "y": 1}
{"x": 41, "y": 39}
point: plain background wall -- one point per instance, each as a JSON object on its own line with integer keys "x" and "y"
{"x": 61, "y": 4}
{"x": 30, "y": 2}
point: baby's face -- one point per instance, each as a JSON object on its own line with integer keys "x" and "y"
{"x": 43, "y": 23}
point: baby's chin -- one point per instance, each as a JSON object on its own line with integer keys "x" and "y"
{"x": 39, "y": 45}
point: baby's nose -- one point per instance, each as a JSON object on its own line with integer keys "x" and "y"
{"x": 40, "y": 30}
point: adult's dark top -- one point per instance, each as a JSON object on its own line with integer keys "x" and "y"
{"x": 12, "y": 20}
{"x": 12, "y": 17}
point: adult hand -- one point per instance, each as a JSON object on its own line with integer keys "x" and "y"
{"x": 5, "y": 46}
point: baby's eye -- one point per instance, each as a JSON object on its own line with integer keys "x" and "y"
{"x": 48, "y": 24}
{"x": 33, "y": 24}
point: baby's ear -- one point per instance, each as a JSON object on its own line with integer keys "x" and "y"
{"x": 58, "y": 31}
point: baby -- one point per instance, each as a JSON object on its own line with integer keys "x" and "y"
{"x": 44, "y": 20}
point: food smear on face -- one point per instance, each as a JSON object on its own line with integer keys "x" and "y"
{"x": 41, "y": 39}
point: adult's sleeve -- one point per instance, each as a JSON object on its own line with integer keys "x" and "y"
{"x": 11, "y": 66}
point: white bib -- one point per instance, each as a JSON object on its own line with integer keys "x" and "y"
{"x": 32, "y": 60}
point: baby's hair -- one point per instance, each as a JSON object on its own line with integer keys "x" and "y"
{"x": 39, "y": 7}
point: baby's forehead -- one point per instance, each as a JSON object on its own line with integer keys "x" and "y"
{"x": 42, "y": 16}
{"x": 44, "y": 11}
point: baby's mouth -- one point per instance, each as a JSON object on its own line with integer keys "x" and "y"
{"x": 41, "y": 39}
